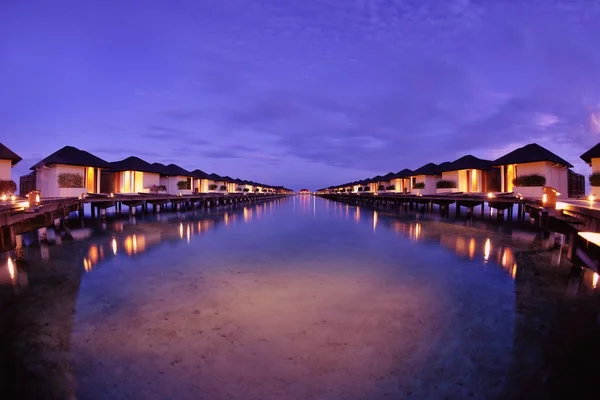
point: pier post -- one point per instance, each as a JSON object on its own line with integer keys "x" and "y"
{"x": 131, "y": 210}
{"x": 457, "y": 210}
{"x": 43, "y": 235}
{"x": 19, "y": 254}
{"x": 177, "y": 206}
{"x": 482, "y": 208}
{"x": 80, "y": 211}
{"x": 102, "y": 214}
{"x": 500, "y": 215}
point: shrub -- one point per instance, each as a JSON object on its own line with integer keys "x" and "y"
{"x": 246, "y": 190}
{"x": 256, "y": 190}
{"x": 530, "y": 180}
{"x": 184, "y": 185}
{"x": 444, "y": 184}
{"x": 390, "y": 187}
{"x": 348, "y": 190}
{"x": 367, "y": 189}
{"x": 419, "y": 185}
{"x": 360, "y": 189}
{"x": 238, "y": 189}
{"x": 8, "y": 187}
{"x": 223, "y": 188}
{"x": 380, "y": 187}
{"x": 595, "y": 179}
{"x": 158, "y": 188}
{"x": 212, "y": 187}
{"x": 70, "y": 180}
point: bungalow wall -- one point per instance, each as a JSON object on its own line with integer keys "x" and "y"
{"x": 202, "y": 185}
{"x": 556, "y": 176}
{"x": 430, "y": 182}
{"x": 467, "y": 180}
{"x": 47, "y": 180}
{"x": 5, "y": 170}
{"x": 171, "y": 183}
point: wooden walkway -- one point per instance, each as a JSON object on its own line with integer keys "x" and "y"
{"x": 17, "y": 217}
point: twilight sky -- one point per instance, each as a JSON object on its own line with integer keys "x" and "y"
{"x": 303, "y": 93}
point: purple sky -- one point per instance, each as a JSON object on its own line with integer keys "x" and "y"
{"x": 303, "y": 93}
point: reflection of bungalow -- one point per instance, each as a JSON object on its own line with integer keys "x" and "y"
{"x": 424, "y": 179}
{"x": 8, "y": 159}
{"x": 131, "y": 175}
{"x": 68, "y": 172}
{"x": 176, "y": 179}
{"x": 592, "y": 157}
{"x": 468, "y": 173}
{"x": 524, "y": 170}
{"x": 402, "y": 181}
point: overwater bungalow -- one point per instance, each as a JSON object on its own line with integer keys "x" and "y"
{"x": 176, "y": 179}
{"x": 402, "y": 181}
{"x": 217, "y": 184}
{"x": 592, "y": 158}
{"x": 131, "y": 175}
{"x": 528, "y": 169}
{"x": 201, "y": 181}
{"x": 8, "y": 159}
{"x": 467, "y": 174}
{"x": 68, "y": 172}
{"x": 424, "y": 179}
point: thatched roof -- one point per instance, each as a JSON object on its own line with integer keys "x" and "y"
{"x": 8, "y": 154}
{"x": 427, "y": 169}
{"x": 405, "y": 173}
{"x": 532, "y": 152}
{"x": 133, "y": 164}
{"x": 594, "y": 152}
{"x": 466, "y": 162}
{"x": 70, "y": 155}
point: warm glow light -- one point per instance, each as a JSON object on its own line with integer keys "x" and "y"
{"x": 513, "y": 271}
{"x": 486, "y": 250}
{"x": 544, "y": 198}
{"x": 417, "y": 231}
{"x": 87, "y": 266}
{"x": 37, "y": 198}
{"x": 471, "y": 248}
{"x": 12, "y": 271}
{"x": 226, "y": 219}
{"x": 13, "y": 197}
{"x": 558, "y": 193}
{"x": 181, "y": 230}
{"x": 3, "y": 197}
{"x": 188, "y": 233}
{"x": 134, "y": 244}
{"x": 114, "y": 246}
{"x": 591, "y": 197}
{"x": 375, "y": 217}
{"x": 594, "y": 279}
{"x": 490, "y": 195}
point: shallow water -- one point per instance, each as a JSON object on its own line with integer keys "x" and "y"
{"x": 302, "y": 299}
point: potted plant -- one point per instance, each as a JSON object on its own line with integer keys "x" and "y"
{"x": 183, "y": 185}
{"x": 380, "y": 188}
{"x": 223, "y": 188}
{"x": 70, "y": 184}
{"x": 531, "y": 185}
{"x": 8, "y": 188}
{"x": 212, "y": 187}
{"x": 360, "y": 189}
{"x": 446, "y": 186}
{"x": 390, "y": 187}
{"x": 246, "y": 190}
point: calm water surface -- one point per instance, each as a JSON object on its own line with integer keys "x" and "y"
{"x": 295, "y": 299}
